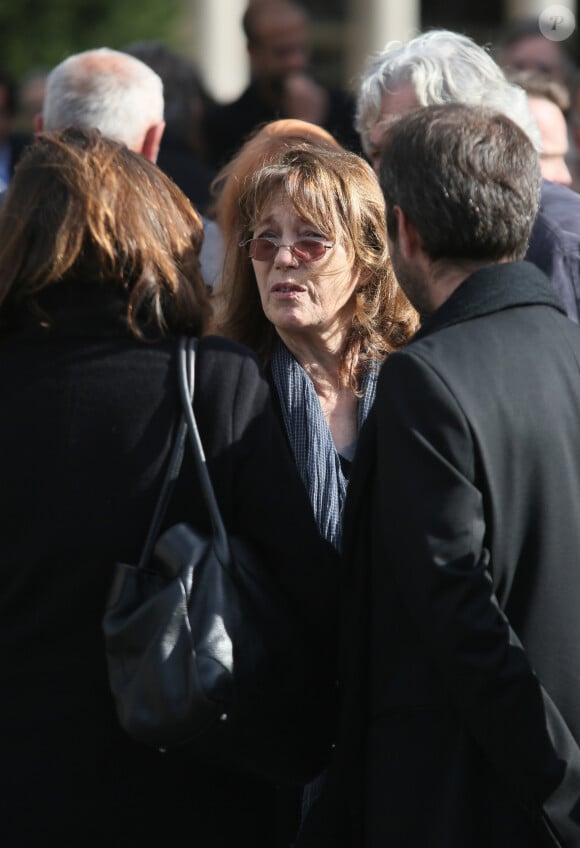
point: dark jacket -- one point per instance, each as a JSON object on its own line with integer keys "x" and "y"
{"x": 461, "y": 639}
{"x": 18, "y": 142}
{"x": 87, "y": 419}
{"x": 555, "y": 244}
{"x": 228, "y": 126}
{"x": 190, "y": 173}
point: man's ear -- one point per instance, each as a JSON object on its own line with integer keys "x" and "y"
{"x": 38, "y": 122}
{"x": 407, "y": 236}
{"x": 152, "y": 141}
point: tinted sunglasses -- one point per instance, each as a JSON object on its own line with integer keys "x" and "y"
{"x": 305, "y": 249}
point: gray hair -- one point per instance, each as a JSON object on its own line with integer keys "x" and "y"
{"x": 107, "y": 90}
{"x": 443, "y": 67}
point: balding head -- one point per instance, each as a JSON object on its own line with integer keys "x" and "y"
{"x": 110, "y": 91}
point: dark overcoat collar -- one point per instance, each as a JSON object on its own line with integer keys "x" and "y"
{"x": 492, "y": 289}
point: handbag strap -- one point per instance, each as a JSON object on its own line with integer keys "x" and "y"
{"x": 187, "y": 426}
{"x": 186, "y": 375}
{"x": 172, "y": 473}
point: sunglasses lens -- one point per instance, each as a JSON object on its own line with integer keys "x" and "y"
{"x": 262, "y": 249}
{"x": 309, "y": 249}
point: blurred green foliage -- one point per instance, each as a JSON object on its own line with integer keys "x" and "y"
{"x": 40, "y": 33}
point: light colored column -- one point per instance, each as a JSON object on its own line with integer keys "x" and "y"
{"x": 218, "y": 45}
{"x": 372, "y": 23}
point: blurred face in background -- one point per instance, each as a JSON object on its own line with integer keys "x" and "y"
{"x": 6, "y": 116}
{"x": 280, "y": 45}
{"x": 535, "y": 53}
{"x": 394, "y": 104}
{"x": 554, "y": 131}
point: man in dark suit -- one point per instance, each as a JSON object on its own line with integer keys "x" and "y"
{"x": 282, "y": 84}
{"x": 461, "y": 641}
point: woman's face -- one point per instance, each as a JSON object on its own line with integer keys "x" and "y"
{"x": 308, "y": 298}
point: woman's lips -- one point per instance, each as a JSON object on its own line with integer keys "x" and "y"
{"x": 286, "y": 289}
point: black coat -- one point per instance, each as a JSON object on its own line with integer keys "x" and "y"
{"x": 227, "y": 126}
{"x": 18, "y": 142}
{"x": 187, "y": 171}
{"x": 555, "y": 243}
{"x": 461, "y": 644}
{"x": 87, "y": 417}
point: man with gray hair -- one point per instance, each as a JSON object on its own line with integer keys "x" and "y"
{"x": 111, "y": 91}
{"x": 441, "y": 66}
{"x": 122, "y": 97}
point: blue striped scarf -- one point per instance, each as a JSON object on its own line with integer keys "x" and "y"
{"x": 310, "y": 439}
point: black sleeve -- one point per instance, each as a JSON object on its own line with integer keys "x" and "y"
{"x": 432, "y": 541}
{"x": 256, "y": 480}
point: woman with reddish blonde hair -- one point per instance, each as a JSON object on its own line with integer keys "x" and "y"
{"x": 266, "y": 143}
{"x": 308, "y": 285}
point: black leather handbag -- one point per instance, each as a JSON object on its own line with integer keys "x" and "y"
{"x": 205, "y": 652}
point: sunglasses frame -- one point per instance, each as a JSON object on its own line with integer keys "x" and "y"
{"x": 296, "y": 253}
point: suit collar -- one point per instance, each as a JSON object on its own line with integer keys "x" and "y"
{"x": 492, "y": 289}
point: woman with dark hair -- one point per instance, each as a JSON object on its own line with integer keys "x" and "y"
{"x": 98, "y": 277}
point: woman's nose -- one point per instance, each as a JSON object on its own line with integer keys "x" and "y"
{"x": 285, "y": 255}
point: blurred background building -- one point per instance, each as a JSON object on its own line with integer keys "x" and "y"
{"x": 208, "y": 35}
{"x": 344, "y": 32}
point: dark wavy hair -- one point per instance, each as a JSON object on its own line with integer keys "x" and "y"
{"x": 338, "y": 193}
{"x": 81, "y": 208}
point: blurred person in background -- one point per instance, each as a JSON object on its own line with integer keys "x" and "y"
{"x": 12, "y": 142}
{"x": 182, "y": 152}
{"x": 574, "y": 131}
{"x": 31, "y": 97}
{"x": 521, "y": 46}
{"x": 549, "y": 103}
{"x": 282, "y": 83}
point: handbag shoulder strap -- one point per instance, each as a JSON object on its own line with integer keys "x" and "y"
{"x": 173, "y": 468}
{"x": 186, "y": 376}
